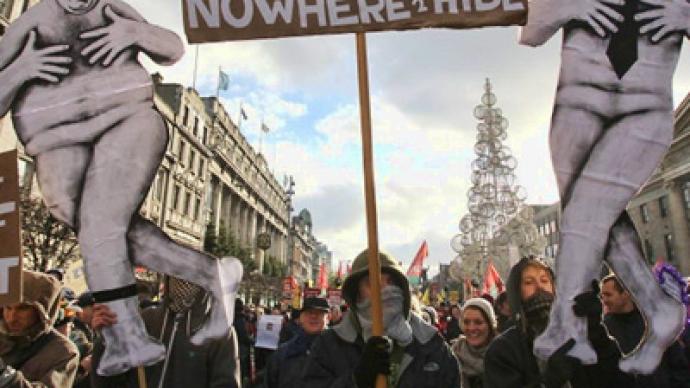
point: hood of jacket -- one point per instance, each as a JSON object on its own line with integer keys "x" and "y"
{"x": 513, "y": 288}
{"x": 42, "y": 292}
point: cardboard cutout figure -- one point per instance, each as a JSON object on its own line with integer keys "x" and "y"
{"x": 82, "y": 105}
{"x": 611, "y": 126}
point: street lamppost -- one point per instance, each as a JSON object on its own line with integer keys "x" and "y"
{"x": 289, "y": 183}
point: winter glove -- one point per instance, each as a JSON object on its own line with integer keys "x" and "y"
{"x": 588, "y": 305}
{"x": 560, "y": 367}
{"x": 375, "y": 360}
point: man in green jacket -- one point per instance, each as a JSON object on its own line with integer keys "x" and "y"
{"x": 412, "y": 354}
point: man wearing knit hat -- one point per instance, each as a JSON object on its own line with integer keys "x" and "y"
{"x": 411, "y": 353}
{"x": 32, "y": 352}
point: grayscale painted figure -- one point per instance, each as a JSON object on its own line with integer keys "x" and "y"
{"x": 612, "y": 124}
{"x": 82, "y": 105}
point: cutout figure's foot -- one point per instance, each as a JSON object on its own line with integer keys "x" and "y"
{"x": 665, "y": 322}
{"x": 127, "y": 344}
{"x": 223, "y": 292}
{"x": 564, "y": 325}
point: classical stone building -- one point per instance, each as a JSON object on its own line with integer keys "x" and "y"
{"x": 302, "y": 247}
{"x": 243, "y": 194}
{"x": 547, "y": 218}
{"x": 661, "y": 210}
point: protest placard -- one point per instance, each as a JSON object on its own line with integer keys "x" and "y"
{"x": 10, "y": 231}
{"x": 268, "y": 331}
{"x": 226, "y": 20}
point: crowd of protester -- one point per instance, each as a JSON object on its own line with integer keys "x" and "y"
{"x": 52, "y": 338}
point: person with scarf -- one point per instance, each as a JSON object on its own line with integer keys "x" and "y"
{"x": 284, "y": 368}
{"x": 510, "y": 361}
{"x": 478, "y": 323}
{"x": 174, "y": 322}
{"x": 411, "y": 353}
{"x": 32, "y": 352}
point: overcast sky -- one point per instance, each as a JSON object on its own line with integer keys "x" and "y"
{"x": 424, "y": 86}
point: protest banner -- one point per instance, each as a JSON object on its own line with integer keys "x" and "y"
{"x": 10, "y": 231}
{"x": 226, "y": 20}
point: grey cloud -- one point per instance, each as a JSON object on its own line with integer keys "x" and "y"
{"x": 333, "y": 208}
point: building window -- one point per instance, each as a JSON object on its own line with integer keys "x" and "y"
{"x": 196, "y": 126}
{"x": 160, "y": 182}
{"x": 6, "y": 8}
{"x": 200, "y": 172}
{"x": 204, "y": 135}
{"x": 686, "y": 197}
{"x": 649, "y": 251}
{"x": 192, "y": 159}
{"x": 197, "y": 209}
{"x": 187, "y": 204}
{"x": 183, "y": 147}
{"x": 185, "y": 117}
{"x": 663, "y": 206}
{"x": 644, "y": 212}
{"x": 670, "y": 253}
{"x": 176, "y": 198}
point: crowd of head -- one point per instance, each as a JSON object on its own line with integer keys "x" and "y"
{"x": 52, "y": 338}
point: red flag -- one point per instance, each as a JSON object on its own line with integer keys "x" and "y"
{"x": 493, "y": 284}
{"x": 323, "y": 277}
{"x": 414, "y": 273}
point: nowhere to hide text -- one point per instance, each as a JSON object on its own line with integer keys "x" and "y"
{"x": 224, "y": 20}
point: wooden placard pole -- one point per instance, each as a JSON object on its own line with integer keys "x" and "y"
{"x": 141, "y": 376}
{"x": 370, "y": 193}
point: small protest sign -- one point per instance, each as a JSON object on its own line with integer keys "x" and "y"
{"x": 10, "y": 231}
{"x": 335, "y": 297}
{"x": 268, "y": 331}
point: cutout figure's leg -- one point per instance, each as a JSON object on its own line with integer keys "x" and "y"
{"x": 124, "y": 162}
{"x": 574, "y": 134}
{"x": 622, "y": 160}
{"x": 151, "y": 248}
{"x": 664, "y": 315}
{"x": 60, "y": 174}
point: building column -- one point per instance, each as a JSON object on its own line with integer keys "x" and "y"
{"x": 216, "y": 204}
{"x": 260, "y": 254}
{"x": 234, "y": 220}
{"x": 251, "y": 230}
{"x": 242, "y": 224}
{"x": 226, "y": 208}
{"x": 679, "y": 226}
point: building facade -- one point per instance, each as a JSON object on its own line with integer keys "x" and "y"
{"x": 547, "y": 218}
{"x": 243, "y": 195}
{"x": 661, "y": 210}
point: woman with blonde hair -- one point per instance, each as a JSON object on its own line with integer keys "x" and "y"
{"x": 478, "y": 324}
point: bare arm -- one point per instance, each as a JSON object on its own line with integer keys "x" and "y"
{"x": 546, "y": 17}
{"x": 127, "y": 29}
